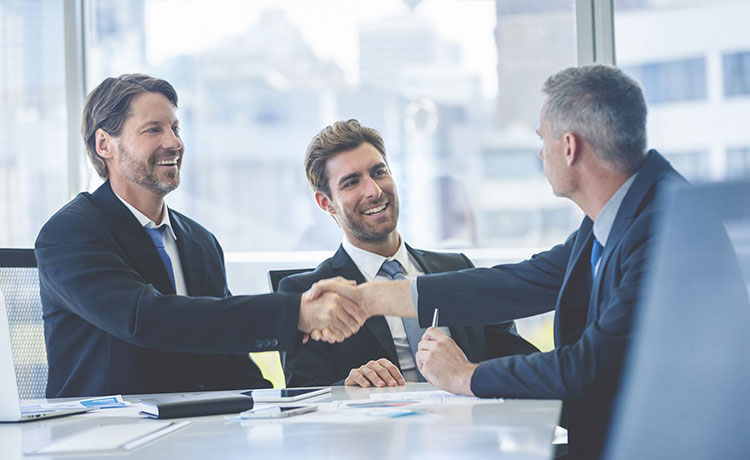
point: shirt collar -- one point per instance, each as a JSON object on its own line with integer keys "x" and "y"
{"x": 148, "y": 223}
{"x": 606, "y": 218}
{"x": 369, "y": 263}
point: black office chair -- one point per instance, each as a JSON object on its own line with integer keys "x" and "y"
{"x": 275, "y": 276}
{"x": 19, "y": 282}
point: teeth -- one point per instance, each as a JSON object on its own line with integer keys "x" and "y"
{"x": 167, "y": 162}
{"x": 374, "y": 210}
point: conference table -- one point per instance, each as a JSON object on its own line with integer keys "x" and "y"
{"x": 517, "y": 429}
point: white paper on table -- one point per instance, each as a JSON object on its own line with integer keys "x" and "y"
{"x": 110, "y": 438}
{"x": 433, "y": 397}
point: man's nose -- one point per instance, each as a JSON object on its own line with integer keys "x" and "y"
{"x": 372, "y": 189}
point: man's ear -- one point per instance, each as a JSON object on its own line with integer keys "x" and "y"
{"x": 324, "y": 203}
{"x": 572, "y": 143}
{"x": 104, "y": 144}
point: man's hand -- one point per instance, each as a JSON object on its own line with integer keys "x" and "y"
{"x": 379, "y": 373}
{"x": 343, "y": 287}
{"x": 329, "y": 316}
{"x": 443, "y": 363}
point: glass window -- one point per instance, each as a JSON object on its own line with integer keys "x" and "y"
{"x": 738, "y": 163}
{"x": 33, "y": 138}
{"x": 671, "y": 81}
{"x": 688, "y": 56}
{"x": 454, "y": 87}
{"x": 736, "y": 73}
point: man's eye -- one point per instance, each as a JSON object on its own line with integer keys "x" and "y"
{"x": 351, "y": 183}
{"x": 176, "y": 129}
{"x": 153, "y": 130}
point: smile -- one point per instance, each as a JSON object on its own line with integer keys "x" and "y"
{"x": 376, "y": 210}
{"x": 172, "y": 162}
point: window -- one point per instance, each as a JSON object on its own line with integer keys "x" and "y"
{"x": 33, "y": 139}
{"x": 691, "y": 59}
{"x": 672, "y": 81}
{"x": 738, "y": 163}
{"x": 268, "y": 75}
{"x": 736, "y": 67}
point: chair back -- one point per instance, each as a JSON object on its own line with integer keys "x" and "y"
{"x": 19, "y": 282}
{"x": 275, "y": 276}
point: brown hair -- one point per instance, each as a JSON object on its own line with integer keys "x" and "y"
{"x": 341, "y": 136}
{"x": 108, "y": 107}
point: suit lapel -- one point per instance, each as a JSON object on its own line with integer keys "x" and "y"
{"x": 474, "y": 348}
{"x": 132, "y": 239}
{"x": 343, "y": 265}
{"x": 650, "y": 173}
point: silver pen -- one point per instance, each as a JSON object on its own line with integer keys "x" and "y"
{"x": 435, "y": 318}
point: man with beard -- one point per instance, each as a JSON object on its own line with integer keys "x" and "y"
{"x": 347, "y": 167}
{"x": 134, "y": 294}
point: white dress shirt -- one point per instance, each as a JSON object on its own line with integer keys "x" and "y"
{"x": 369, "y": 265}
{"x": 170, "y": 243}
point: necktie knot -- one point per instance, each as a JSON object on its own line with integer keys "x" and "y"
{"x": 157, "y": 235}
{"x": 393, "y": 269}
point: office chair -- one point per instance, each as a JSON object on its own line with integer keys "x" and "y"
{"x": 275, "y": 276}
{"x": 685, "y": 391}
{"x": 19, "y": 282}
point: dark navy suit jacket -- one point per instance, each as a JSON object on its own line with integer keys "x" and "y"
{"x": 592, "y": 320}
{"x": 113, "y": 323}
{"x": 319, "y": 363}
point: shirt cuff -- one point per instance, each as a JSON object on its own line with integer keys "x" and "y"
{"x": 414, "y": 294}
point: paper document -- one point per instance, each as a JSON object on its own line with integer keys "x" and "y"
{"x": 101, "y": 402}
{"x": 432, "y": 397}
{"x": 110, "y": 438}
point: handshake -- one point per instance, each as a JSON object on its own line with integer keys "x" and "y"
{"x": 334, "y": 309}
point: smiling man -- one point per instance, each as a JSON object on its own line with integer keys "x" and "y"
{"x": 134, "y": 293}
{"x": 347, "y": 167}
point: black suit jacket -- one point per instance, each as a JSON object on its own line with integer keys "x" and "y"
{"x": 592, "y": 320}
{"x": 319, "y": 363}
{"x": 113, "y": 323}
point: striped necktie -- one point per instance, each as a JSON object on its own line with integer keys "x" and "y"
{"x": 596, "y": 254}
{"x": 394, "y": 270}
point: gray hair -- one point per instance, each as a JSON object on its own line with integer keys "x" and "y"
{"x": 108, "y": 107}
{"x": 605, "y": 107}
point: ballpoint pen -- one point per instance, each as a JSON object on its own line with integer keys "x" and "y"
{"x": 435, "y": 318}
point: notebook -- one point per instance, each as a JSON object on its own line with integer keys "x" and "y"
{"x": 11, "y": 409}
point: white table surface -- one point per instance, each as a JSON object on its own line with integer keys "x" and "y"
{"x": 517, "y": 429}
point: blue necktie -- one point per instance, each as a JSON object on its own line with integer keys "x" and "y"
{"x": 596, "y": 254}
{"x": 157, "y": 236}
{"x": 393, "y": 269}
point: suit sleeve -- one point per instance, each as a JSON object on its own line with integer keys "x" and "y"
{"x": 478, "y": 296}
{"x": 582, "y": 367}
{"x": 83, "y": 270}
{"x": 312, "y": 364}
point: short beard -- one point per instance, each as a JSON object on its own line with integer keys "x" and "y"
{"x": 137, "y": 173}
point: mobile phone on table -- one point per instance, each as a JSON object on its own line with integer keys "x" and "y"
{"x": 277, "y": 411}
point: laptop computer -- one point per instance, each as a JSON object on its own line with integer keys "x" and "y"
{"x": 11, "y": 409}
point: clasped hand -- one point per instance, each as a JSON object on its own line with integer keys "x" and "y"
{"x": 331, "y": 310}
